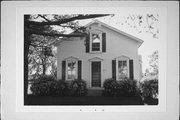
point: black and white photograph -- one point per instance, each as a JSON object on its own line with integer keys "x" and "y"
{"x": 91, "y": 59}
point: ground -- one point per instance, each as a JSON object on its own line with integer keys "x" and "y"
{"x": 88, "y": 100}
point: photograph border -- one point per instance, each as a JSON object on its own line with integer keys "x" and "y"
{"x": 18, "y": 107}
{"x": 161, "y": 107}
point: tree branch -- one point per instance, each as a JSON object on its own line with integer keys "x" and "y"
{"x": 56, "y": 34}
{"x": 59, "y": 22}
{"x": 44, "y": 18}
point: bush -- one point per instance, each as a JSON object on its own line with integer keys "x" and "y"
{"x": 110, "y": 87}
{"x": 62, "y": 88}
{"x": 48, "y": 85}
{"x": 124, "y": 87}
{"x": 149, "y": 88}
{"x": 43, "y": 79}
{"x": 128, "y": 88}
{"x": 78, "y": 88}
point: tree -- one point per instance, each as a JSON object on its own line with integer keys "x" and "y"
{"x": 40, "y": 56}
{"x": 153, "y": 70}
{"x": 147, "y": 23}
{"x": 153, "y": 62}
{"x": 43, "y": 25}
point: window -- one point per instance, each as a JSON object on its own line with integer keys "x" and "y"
{"x": 121, "y": 65}
{"x": 71, "y": 69}
{"x": 122, "y": 69}
{"x": 96, "y": 42}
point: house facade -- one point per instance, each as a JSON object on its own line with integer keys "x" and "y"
{"x": 105, "y": 52}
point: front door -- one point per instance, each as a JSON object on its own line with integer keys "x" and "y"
{"x": 96, "y": 74}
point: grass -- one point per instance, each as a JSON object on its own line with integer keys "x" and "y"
{"x": 151, "y": 101}
{"x": 87, "y": 100}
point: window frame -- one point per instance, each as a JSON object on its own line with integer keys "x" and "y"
{"x": 76, "y": 67}
{"x": 122, "y": 58}
{"x": 96, "y": 32}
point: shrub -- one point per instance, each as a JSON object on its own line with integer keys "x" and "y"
{"x": 124, "y": 87}
{"x": 58, "y": 87}
{"x": 149, "y": 88}
{"x": 40, "y": 86}
{"x": 128, "y": 87}
{"x": 78, "y": 88}
{"x": 48, "y": 85}
{"x": 110, "y": 87}
{"x": 44, "y": 78}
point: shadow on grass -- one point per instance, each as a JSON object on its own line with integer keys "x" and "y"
{"x": 151, "y": 101}
{"x": 87, "y": 100}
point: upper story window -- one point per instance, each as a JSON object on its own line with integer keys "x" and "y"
{"x": 96, "y": 42}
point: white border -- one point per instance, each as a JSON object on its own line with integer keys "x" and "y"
{"x": 11, "y": 109}
{"x": 161, "y": 107}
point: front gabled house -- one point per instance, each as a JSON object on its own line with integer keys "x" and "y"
{"x": 105, "y": 53}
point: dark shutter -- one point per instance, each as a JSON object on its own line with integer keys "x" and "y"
{"x": 87, "y": 43}
{"x": 63, "y": 70}
{"x": 79, "y": 69}
{"x": 131, "y": 72}
{"x": 103, "y": 42}
{"x": 114, "y": 69}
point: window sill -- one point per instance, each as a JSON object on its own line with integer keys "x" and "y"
{"x": 69, "y": 79}
{"x": 94, "y": 52}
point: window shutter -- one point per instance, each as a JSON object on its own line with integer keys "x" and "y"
{"x": 87, "y": 43}
{"x": 103, "y": 42}
{"x": 131, "y": 72}
{"x": 63, "y": 70}
{"x": 114, "y": 69}
{"x": 79, "y": 69}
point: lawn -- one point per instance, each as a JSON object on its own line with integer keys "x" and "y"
{"x": 87, "y": 100}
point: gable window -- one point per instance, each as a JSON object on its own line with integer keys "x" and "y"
{"x": 96, "y": 42}
{"x": 71, "y": 69}
{"x": 122, "y": 69}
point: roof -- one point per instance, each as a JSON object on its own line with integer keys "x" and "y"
{"x": 116, "y": 30}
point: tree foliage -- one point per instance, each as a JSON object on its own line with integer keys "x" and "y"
{"x": 147, "y": 23}
{"x": 153, "y": 70}
{"x": 153, "y": 62}
{"x": 40, "y": 55}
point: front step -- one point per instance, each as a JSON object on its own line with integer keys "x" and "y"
{"x": 94, "y": 92}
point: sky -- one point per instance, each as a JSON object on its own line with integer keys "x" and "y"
{"x": 121, "y": 22}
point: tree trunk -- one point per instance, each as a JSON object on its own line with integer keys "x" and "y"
{"x": 44, "y": 65}
{"x": 44, "y": 69}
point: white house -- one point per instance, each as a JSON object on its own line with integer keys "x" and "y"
{"x": 105, "y": 53}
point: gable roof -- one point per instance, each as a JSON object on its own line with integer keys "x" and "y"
{"x": 111, "y": 28}
{"x": 114, "y": 29}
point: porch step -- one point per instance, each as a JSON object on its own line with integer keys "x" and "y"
{"x": 94, "y": 92}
